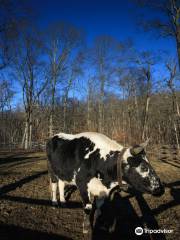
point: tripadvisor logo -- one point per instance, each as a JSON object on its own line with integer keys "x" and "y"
{"x": 140, "y": 230}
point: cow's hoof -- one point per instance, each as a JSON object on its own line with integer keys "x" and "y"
{"x": 54, "y": 203}
{"x": 86, "y": 228}
{"x": 86, "y": 225}
{"x": 63, "y": 204}
{"x": 113, "y": 227}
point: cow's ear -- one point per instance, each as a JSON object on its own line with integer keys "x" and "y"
{"x": 139, "y": 148}
{"x": 136, "y": 150}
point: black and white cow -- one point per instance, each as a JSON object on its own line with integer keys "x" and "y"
{"x": 89, "y": 161}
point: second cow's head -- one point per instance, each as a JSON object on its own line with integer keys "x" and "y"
{"x": 138, "y": 172}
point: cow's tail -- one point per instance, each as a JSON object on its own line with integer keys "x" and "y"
{"x": 49, "y": 148}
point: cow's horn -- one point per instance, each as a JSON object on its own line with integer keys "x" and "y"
{"x": 144, "y": 144}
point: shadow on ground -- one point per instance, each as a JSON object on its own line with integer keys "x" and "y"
{"x": 41, "y": 202}
{"x": 119, "y": 219}
{"x": 12, "y": 186}
{"x": 17, "y": 157}
{"x": 11, "y": 232}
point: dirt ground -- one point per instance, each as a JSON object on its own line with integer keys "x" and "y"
{"x": 26, "y": 212}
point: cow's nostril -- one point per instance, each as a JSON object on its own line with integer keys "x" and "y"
{"x": 158, "y": 191}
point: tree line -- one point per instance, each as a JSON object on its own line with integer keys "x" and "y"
{"x": 65, "y": 85}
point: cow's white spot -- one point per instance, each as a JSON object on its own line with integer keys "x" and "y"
{"x": 113, "y": 184}
{"x": 143, "y": 174}
{"x": 124, "y": 182}
{"x": 96, "y": 188}
{"x": 102, "y": 143}
{"x": 61, "y": 185}
{"x": 154, "y": 183}
{"x": 126, "y": 155}
{"x": 88, "y": 206}
{"x": 73, "y": 181}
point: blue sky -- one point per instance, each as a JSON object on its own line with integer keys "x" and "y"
{"x": 118, "y": 18}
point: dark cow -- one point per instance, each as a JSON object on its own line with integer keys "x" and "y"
{"x": 89, "y": 161}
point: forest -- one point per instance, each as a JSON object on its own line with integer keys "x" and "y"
{"x": 52, "y": 79}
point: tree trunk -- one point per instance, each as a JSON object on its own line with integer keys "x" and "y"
{"x": 26, "y": 135}
{"x": 88, "y": 112}
{"x": 51, "y": 118}
{"x": 178, "y": 41}
{"x": 64, "y": 113}
{"x": 51, "y": 125}
{"x": 145, "y": 118}
{"x": 176, "y": 134}
{"x": 30, "y": 130}
{"x": 101, "y": 106}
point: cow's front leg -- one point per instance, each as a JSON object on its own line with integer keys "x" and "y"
{"x": 82, "y": 186}
{"x": 61, "y": 186}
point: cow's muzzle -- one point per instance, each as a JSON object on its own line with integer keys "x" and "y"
{"x": 158, "y": 191}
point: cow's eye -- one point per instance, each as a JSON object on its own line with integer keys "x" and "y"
{"x": 144, "y": 168}
{"x": 133, "y": 162}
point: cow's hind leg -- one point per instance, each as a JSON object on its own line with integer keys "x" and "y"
{"x": 53, "y": 185}
{"x": 68, "y": 190}
{"x": 61, "y": 186}
{"x": 53, "y": 189}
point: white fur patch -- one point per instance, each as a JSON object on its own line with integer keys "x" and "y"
{"x": 88, "y": 206}
{"x": 96, "y": 188}
{"x": 61, "y": 185}
{"x": 154, "y": 183}
{"x": 143, "y": 174}
{"x": 53, "y": 191}
{"x": 113, "y": 184}
{"x": 127, "y": 154}
{"x": 102, "y": 142}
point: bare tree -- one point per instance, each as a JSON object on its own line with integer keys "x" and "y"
{"x": 27, "y": 64}
{"x": 75, "y": 71}
{"x": 64, "y": 39}
{"x": 172, "y": 69}
{"x": 168, "y": 22}
{"x": 13, "y": 14}
{"x": 105, "y": 51}
{"x": 6, "y": 96}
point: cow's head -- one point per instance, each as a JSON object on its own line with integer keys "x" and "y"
{"x": 139, "y": 173}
